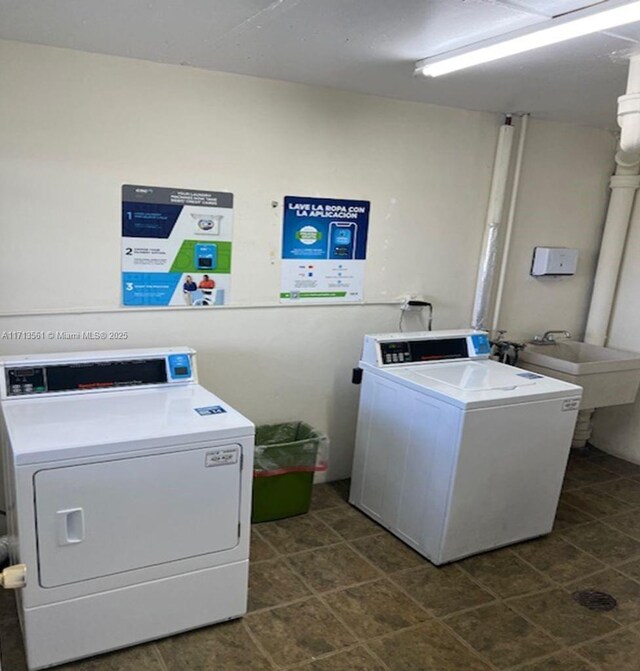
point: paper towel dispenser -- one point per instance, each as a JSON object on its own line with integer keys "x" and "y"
{"x": 554, "y": 261}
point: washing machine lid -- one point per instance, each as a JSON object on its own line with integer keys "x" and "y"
{"x": 83, "y": 425}
{"x": 472, "y": 376}
{"x": 476, "y": 384}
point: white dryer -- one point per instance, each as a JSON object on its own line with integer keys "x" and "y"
{"x": 455, "y": 453}
{"x": 128, "y": 490}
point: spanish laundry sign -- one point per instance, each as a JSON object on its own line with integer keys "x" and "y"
{"x": 324, "y": 247}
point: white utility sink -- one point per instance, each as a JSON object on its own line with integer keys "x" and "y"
{"x": 608, "y": 376}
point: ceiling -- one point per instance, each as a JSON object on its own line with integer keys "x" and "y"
{"x": 368, "y": 46}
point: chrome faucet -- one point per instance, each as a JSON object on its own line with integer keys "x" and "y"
{"x": 549, "y": 337}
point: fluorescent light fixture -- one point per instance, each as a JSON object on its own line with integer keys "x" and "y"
{"x": 568, "y": 27}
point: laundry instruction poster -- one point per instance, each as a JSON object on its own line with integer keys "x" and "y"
{"x": 324, "y": 248}
{"x": 176, "y": 246}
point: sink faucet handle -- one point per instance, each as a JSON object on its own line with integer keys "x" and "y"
{"x": 550, "y": 336}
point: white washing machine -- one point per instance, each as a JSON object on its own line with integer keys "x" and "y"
{"x": 128, "y": 489}
{"x": 455, "y": 453}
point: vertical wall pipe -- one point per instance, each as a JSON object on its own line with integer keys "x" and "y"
{"x": 623, "y": 189}
{"x": 629, "y": 109}
{"x": 517, "y": 171}
{"x": 624, "y": 184}
{"x": 488, "y": 257}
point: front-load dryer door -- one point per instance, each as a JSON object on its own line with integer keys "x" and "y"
{"x": 104, "y": 518}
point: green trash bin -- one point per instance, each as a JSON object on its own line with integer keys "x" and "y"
{"x": 286, "y": 457}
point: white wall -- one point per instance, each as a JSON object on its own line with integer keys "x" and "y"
{"x": 617, "y": 429}
{"x": 561, "y": 203}
{"x": 75, "y": 126}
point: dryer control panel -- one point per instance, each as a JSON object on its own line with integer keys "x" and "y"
{"x": 395, "y": 349}
{"x": 90, "y": 372}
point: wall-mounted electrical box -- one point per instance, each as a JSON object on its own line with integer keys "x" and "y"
{"x": 554, "y": 261}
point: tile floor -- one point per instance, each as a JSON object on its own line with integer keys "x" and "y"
{"x": 332, "y": 591}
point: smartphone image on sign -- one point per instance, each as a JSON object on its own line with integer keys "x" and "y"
{"x": 342, "y": 240}
{"x": 206, "y": 257}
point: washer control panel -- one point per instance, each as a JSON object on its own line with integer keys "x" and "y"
{"x": 397, "y": 349}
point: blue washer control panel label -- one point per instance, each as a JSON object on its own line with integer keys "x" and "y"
{"x": 179, "y": 366}
{"x": 481, "y": 343}
{"x": 210, "y": 410}
{"x": 530, "y": 376}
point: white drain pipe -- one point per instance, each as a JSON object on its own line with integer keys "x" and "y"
{"x": 629, "y": 109}
{"x": 623, "y": 190}
{"x": 517, "y": 171}
{"x": 489, "y": 255}
{"x": 624, "y": 184}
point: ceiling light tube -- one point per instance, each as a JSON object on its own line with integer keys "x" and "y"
{"x": 568, "y": 27}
